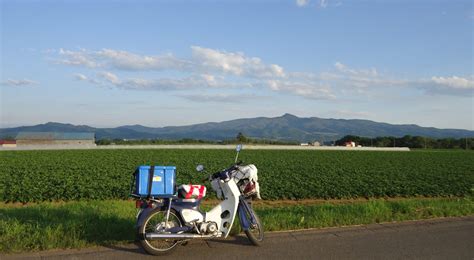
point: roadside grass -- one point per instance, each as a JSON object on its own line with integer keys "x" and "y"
{"x": 372, "y": 211}
{"x": 78, "y": 224}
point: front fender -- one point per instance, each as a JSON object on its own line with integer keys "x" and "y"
{"x": 243, "y": 209}
{"x": 244, "y": 223}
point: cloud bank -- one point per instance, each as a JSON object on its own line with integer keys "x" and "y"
{"x": 208, "y": 68}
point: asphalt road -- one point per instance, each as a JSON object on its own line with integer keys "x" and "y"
{"x": 449, "y": 238}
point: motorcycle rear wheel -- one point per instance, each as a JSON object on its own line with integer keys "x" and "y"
{"x": 154, "y": 222}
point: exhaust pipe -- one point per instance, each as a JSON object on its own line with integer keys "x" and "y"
{"x": 152, "y": 236}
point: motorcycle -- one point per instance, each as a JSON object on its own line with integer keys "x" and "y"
{"x": 165, "y": 222}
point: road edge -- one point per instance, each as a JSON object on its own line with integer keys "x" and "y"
{"x": 102, "y": 249}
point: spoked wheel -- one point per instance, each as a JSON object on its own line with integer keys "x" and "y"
{"x": 155, "y": 223}
{"x": 255, "y": 231}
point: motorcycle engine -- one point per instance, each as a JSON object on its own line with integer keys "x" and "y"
{"x": 208, "y": 227}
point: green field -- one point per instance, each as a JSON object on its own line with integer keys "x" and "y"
{"x": 33, "y": 176}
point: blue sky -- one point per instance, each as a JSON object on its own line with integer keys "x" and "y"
{"x": 158, "y": 63}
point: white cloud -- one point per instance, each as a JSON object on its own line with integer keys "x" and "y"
{"x": 360, "y": 80}
{"x": 455, "y": 82}
{"x": 82, "y": 77}
{"x": 77, "y": 58}
{"x": 302, "y": 3}
{"x": 452, "y": 86}
{"x": 129, "y": 61}
{"x": 119, "y": 59}
{"x": 79, "y": 76}
{"x": 170, "y": 84}
{"x": 319, "y": 3}
{"x": 369, "y": 78}
{"x": 109, "y": 77}
{"x": 210, "y": 79}
{"x": 19, "y": 82}
{"x": 234, "y": 63}
{"x": 161, "y": 84}
{"x": 310, "y": 90}
{"x": 372, "y": 72}
{"x": 203, "y": 61}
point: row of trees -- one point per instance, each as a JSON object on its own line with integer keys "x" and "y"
{"x": 409, "y": 141}
{"x": 240, "y": 138}
{"x": 107, "y": 141}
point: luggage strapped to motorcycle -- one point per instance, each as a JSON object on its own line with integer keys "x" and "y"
{"x": 133, "y": 181}
{"x": 151, "y": 172}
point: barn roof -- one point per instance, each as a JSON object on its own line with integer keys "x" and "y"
{"x": 7, "y": 142}
{"x": 54, "y": 136}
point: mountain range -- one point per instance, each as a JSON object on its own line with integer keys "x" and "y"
{"x": 285, "y": 128}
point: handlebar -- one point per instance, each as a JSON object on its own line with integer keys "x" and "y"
{"x": 224, "y": 173}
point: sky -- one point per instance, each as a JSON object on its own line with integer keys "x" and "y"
{"x": 162, "y": 63}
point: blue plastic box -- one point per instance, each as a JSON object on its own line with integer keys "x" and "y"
{"x": 163, "y": 181}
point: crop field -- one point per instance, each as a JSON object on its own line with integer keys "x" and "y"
{"x": 34, "y": 176}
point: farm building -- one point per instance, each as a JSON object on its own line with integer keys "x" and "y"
{"x": 350, "y": 144}
{"x": 55, "y": 138}
{"x": 7, "y": 143}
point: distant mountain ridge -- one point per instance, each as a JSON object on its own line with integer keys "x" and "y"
{"x": 286, "y": 128}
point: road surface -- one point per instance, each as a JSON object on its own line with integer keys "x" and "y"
{"x": 449, "y": 238}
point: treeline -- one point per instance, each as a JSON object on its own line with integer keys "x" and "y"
{"x": 106, "y": 141}
{"x": 239, "y": 139}
{"x": 409, "y": 141}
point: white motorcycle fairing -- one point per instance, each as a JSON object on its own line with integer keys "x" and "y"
{"x": 224, "y": 213}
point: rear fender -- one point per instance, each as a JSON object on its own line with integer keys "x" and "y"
{"x": 151, "y": 206}
{"x": 142, "y": 216}
{"x": 175, "y": 207}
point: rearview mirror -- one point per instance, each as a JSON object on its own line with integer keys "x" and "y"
{"x": 200, "y": 168}
{"x": 238, "y": 148}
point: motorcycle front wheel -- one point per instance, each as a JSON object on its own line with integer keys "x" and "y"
{"x": 255, "y": 231}
{"x": 155, "y": 223}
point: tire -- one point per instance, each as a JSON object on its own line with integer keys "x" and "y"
{"x": 152, "y": 222}
{"x": 255, "y": 233}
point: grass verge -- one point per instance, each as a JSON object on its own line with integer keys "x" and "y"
{"x": 89, "y": 223}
